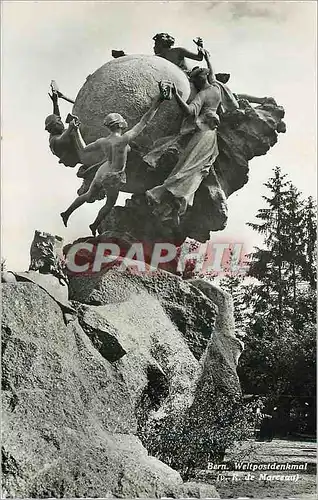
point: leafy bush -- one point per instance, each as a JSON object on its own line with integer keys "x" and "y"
{"x": 187, "y": 441}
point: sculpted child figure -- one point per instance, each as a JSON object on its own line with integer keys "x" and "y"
{"x": 111, "y": 174}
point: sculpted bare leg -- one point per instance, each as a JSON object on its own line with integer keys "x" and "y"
{"x": 112, "y": 195}
{"x": 79, "y": 201}
{"x": 114, "y": 146}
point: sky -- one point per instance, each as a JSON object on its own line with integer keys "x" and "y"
{"x": 268, "y": 47}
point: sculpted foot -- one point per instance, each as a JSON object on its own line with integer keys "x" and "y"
{"x": 93, "y": 229}
{"x": 64, "y": 218}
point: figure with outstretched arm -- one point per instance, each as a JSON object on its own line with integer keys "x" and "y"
{"x": 211, "y": 75}
{"x": 229, "y": 99}
{"x": 171, "y": 200}
{"x": 61, "y": 139}
{"x": 164, "y": 47}
{"x": 56, "y": 90}
{"x": 206, "y": 86}
{"x": 68, "y": 99}
{"x": 111, "y": 175}
{"x": 256, "y": 100}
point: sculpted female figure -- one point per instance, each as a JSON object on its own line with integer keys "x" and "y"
{"x": 172, "y": 198}
{"x": 111, "y": 174}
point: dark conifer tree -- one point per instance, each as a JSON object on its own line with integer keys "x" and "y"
{"x": 280, "y": 308}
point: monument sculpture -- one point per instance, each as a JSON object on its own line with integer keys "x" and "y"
{"x": 47, "y": 256}
{"x": 182, "y": 167}
{"x": 61, "y": 140}
{"x": 110, "y": 175}
{"x": 199, "y": 155}
{"x": 130, "y": 369}
{"x": 164, "y": 47}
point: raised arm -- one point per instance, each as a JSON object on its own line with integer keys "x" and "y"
{"x": 211, "y": 75}
{"x": 68, "y": 99}
{"x": 188, "y": 110}
{"x": 56, "y": 90}
{"x": 131, "y": 134}
{"x": 90, "y": 153}
{"x": 79, "y": 141}
{"x": 93, "y": 147}
{"x": 55, "y": 98}
{"x": 192, "y": 55}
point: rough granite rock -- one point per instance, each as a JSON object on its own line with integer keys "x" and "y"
{"x": 50, "y": 284}
{"x": 160, "y": 358}
{"x": 217, "y": 387}
{"x": 188, "y": 308}
{"x": 225, "y": 324}
{"x": 178, "y": 358}
{"x": 103, "y": 335}
{"x": 184, "y": 425}
{"x": 68, "y": 420}
{"x": 199, "y": 490}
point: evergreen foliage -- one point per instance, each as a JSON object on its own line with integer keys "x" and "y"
{"x": 277, "y": 308}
